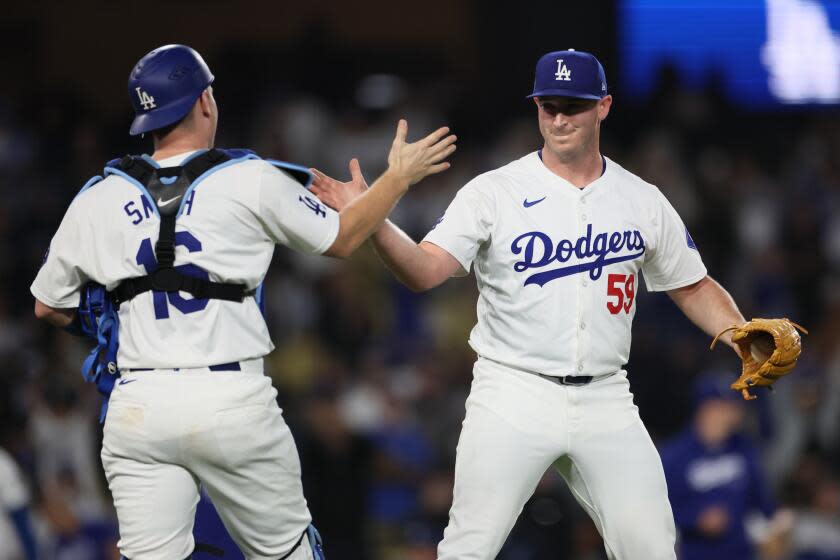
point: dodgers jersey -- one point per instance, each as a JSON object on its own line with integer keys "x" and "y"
{"x": 557, "y": 266}
{"x": 227, "y": 228}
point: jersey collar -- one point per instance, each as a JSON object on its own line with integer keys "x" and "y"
{"x": 592, "y": 189}
{"x": 603, "y": 159}
{"x": 173, "y": 161}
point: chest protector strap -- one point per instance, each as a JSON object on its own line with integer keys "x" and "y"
{"x": 167, "y": 187}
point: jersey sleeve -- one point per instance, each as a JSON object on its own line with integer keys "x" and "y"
{"x": 62, "y": 275}
{"x": 293, "y": 216}
{"x": 466, "y": 224}
{"x": 674, "y": 260}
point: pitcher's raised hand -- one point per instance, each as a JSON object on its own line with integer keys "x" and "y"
{"x": 419, "y": 159}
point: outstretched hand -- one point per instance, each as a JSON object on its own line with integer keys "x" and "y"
{"x": 409, "y": 162}
{"x": 412, "y": 162}
{"x": 336, "y": 194}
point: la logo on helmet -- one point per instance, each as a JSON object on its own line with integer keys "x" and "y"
{"x": 146, "y": 100}
{"x": 563, "y": 72}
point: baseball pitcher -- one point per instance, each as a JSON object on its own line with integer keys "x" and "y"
{"x": 558, "y": 239}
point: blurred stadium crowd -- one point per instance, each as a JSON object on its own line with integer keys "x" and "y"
{"x": 373, "y": 378}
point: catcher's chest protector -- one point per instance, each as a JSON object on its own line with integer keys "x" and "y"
{"x": 166, "y": 188}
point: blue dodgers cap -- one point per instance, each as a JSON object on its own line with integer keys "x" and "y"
{"x": 569, "y": 73}
{"x": 164, "y": 85}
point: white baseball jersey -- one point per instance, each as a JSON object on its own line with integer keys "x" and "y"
{"x": 228, "y": 226}
{"x": 557, "y": 266}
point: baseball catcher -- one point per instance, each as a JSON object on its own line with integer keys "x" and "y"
{"x": 769, "y": 349}
{"x": 178, "y": 244}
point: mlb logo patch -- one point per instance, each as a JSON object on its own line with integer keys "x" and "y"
{"x": 689, "y": 241}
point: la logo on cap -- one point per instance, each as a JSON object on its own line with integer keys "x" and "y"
{"x": 563, "y": 72}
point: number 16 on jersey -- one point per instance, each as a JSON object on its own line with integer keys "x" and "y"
{"x": 146, "y": 259}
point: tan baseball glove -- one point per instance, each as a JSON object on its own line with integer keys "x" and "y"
{"x": 769, "y": 349}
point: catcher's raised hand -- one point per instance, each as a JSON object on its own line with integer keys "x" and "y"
{"x": 337, "y": 194}
{"x": 769, "y": 349}
{"x": 412, "y": 162}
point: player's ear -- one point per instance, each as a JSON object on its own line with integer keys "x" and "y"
{"x": 205, "y": 102}
{"x": 604, "y": 105}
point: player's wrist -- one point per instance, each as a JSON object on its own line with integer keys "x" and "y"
{"x": 397, "y": 178}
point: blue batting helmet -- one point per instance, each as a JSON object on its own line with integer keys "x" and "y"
{"x": 164, "y": 85}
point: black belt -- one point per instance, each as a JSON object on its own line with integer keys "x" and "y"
{"x": 231, "y": 366}
{"x": 573, "y": 380}
{"x": 576, "y": 380}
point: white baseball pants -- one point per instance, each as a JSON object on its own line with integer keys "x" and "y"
{"x": 518, "y": 425}
{"x": 167, "y": 431}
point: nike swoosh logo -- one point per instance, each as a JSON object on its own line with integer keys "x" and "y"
{"x": 528, "y": 203}
{"x": 162, "y": 202}
{"x": 127, "y": 381}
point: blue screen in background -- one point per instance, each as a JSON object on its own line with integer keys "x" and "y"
{"x": 767, "y": 52}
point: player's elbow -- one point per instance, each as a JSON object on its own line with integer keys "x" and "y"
{"x": 422, "y": 282}
{"x": 416, "y": 286}
{"x": 55, "y": 317}
{"x": 341, "y": 248}
{"x": 42, "y": 311}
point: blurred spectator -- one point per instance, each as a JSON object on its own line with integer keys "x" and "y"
{"x": 815, "y": 492}
{"x": 816, "y": 532}
{"x": 714, "y": 478}
{"x": 337, "y": 468}
{"x": 404, "y": 461}
{"x": 17, "y": 540}
{"x": 63, "y": 435}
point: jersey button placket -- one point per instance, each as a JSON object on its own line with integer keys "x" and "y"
{"x": 581, "y": 301}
